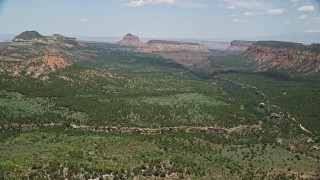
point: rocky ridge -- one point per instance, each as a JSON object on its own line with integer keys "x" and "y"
{"x": 284, "y": 55}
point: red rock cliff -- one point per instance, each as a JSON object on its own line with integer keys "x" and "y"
{"x": 130, "y": 40}
{"x": 272, "y": 54}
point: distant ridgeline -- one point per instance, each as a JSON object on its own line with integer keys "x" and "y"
{"x": 32, "y": 37}
{"x": 161, "y": 45}
{"x": 266, "y": 55}
{"x": 31, "y": 44}
{"x": 181, "y": 52}
{"x": 32, "y": 54}
{"x": 239, "y": 45}
{"x": 171, "y": 42}
{"x": 28, "y": 35}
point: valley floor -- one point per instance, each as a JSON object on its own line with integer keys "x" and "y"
{"x": 126, "y": 115}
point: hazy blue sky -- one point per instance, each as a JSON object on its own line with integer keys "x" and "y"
{"x": 161, "y": 18}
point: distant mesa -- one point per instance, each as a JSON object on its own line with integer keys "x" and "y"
{"x": 279, "y": 44}
{"x": 284, "y": 55}
{"x": 166, "y": 42}
{"x": 172, "y": 46}
{"x": 130, "y": 40}
{"x": 31, "y": 44}
{"x": 27, "y": 35}
{"x": 181, "y": 52}
{"x": 239, "y": 45}
{"x": 30, "y": 37}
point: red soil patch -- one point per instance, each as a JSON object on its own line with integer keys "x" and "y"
{"x": 44, "y": 65}
{"x": 52, "y": 60}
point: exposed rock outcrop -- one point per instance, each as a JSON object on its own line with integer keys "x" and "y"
{"x": 130, "y": 40}
{"x": 44, "y": 65}
{"x": 238, "y": 45}
{"x": 37, "y": 66}
{"x": 32, "y": 54}
{"x": 242, "y": 129}
{"x": 285, "y": 55}
{"x": 275, "y": 116}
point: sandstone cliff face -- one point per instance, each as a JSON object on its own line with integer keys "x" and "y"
{"x": 302, "y": 58}
{"x": 238, "y": 45}
{"x": 130, "y": 40}
{"x": 184, "y": 53}
{"x": 171, "y": 46}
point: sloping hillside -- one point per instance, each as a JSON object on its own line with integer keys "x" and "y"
{"x": 304, "y": 59}
{"x": 31, "y": 44}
